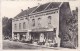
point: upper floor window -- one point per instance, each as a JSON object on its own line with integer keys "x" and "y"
{"x": 54, "y": 30}
{"x": 24, "y": 25}
{"x": 39, "y": 19}
{"x": 15, "y": 26}
{"x": 33, "y": 22}
{"x": 49, "y": 19}
{"x": 19, "y": 25}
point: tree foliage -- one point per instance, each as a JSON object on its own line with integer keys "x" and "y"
{"x": 72, "y": 32}
{"x": 7, "y": 26}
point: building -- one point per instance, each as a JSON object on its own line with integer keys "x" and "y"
{"x": 43, "y": 23}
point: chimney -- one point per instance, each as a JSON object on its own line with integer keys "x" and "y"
{"x": 4, "y": 16}
{"x": 38, "y": 4}
{"x": 21, "y": 9}
{"x": 28, "y": 7}
{"x": 77, "y": 9}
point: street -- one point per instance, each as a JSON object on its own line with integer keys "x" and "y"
{"x": 7, "y": 44}
{"x": 17, "y": 45}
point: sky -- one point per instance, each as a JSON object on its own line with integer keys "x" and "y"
{"x": 11, "y": 8}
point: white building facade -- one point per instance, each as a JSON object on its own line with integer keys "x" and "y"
{"x": 40, "y": 24}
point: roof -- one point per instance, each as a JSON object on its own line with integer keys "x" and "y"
{"x": 53, "y": 5}
{"x": 42, "y": 7}
{"x": 26, "y": 12}
{"x": 50, "y": 5}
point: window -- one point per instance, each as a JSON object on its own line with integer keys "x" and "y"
{"x": 19, "y": 25}
{"x": 33, "y": 22}
{"x": 24, "y": 25}
{"x": 57, "y": 11}
{"x": 15, "y": 36}
{"x": 54, "y": 30}
{"x": 49, "y": 20}
{"x": 39, "y": 19}
{"x": 15, "y": 26}
{"x": 54, "y": 12}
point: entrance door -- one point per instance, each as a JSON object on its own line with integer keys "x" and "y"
{"x": 41, "y": 37}
{"x": 22, "y": 37}
{"x": 15, "y": 36}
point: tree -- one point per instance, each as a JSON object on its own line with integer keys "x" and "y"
{"x": 6, "y": 26}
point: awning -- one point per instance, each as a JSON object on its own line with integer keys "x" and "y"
{"x": 35, "y": 30}
{"x": 41, "y": 30}
{"x": 20, "y": 31}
